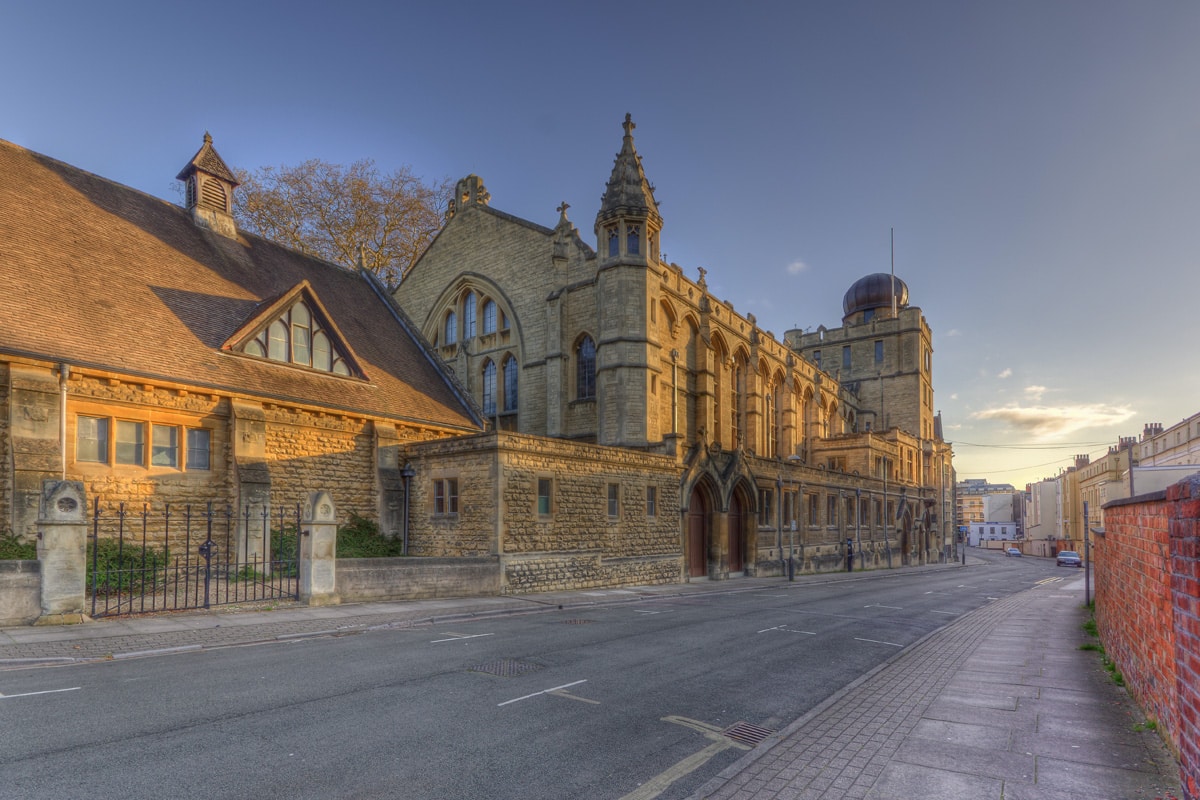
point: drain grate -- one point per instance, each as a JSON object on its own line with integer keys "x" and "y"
{"x": 746, "y": 733}
{"x": 506, "y": 668}
{"x": 578, "y": 621}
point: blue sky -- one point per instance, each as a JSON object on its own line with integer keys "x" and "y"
{"x": 1038, "y": 161}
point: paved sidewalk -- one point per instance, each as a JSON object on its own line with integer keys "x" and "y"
{"x": 1001, "y": 703}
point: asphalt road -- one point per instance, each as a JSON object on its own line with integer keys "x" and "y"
{"x": 621, "y": 701}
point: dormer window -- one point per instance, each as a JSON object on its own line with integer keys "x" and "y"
{"x": 297, "y": 337}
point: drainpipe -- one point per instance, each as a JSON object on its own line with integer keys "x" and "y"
{"x": 64, "y": 372}
{"x": 407, "y": 474}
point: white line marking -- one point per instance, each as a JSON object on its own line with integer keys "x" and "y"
{"x": 544, "y": 691}
{"x": 949, "y": 613}
{"x": 460, "y": 638}
{"x": 646, "y": 611}
{"x": 879, "y": 605}
{"x": 876, "y": 641}
{"x": 786, "y": 629}
{"x": 31, "y": 694}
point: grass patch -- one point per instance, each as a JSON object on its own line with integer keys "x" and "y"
{"x": 1091, "y": 646}
{"x": 360, "y": 538}
{"x": 1089, "y": 627}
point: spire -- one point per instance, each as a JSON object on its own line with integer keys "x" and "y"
{"x": 628, "y": 193}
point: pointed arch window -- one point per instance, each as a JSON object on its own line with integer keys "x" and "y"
{"x": 450, "y": 329}
{"x": 489, "y": 317}
{"x": 633, "y": 237}
{"x": 772, "y": 441}
{"x": 489, "y": 387}
{"x": 585, "y": 361}
{"x": 469, "y": 303}
{"x": 510, "y": 384}
{"x": 298, "y": 337}
{"x": 736, "y": 387}
{"x": 614, "y": 240}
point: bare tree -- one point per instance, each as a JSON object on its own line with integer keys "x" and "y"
{"x": 336, "y": 212}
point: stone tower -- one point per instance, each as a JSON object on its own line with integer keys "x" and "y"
{"x": 627, "y": 230}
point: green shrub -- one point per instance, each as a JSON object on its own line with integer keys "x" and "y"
{"x": 13, "y": 548}
{"x": 360, "y": 538}
{"x": 124, "y": 568}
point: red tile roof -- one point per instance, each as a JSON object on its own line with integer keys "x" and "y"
{"x": 97, "y": 274}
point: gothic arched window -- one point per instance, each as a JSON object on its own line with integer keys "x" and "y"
{"x": 489, "y": 387}
{"x": 510, "y": 384}
{"x": 489, "y": 317}
{"x": 450, "y": 332}
{"x": 585, "y": 377}
{"x": 469, "y": 315}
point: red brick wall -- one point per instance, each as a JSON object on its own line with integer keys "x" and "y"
{"x": 1148, "y": 610}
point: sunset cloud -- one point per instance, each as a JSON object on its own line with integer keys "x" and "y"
{"x": 1056, "y": 420}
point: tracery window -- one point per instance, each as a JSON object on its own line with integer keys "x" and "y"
{"x": 613, "y": 239}
{"x": 585, "y": 378}
{"x": 489, "y": 317}
{"x": 298, "y": 337}
{"x": 489, "y": 387}
{"x": 450, "y": 329}
{"x": 469, "y": 315}
{"x": 632, "y": 238}
{"x": 510, "y": 384}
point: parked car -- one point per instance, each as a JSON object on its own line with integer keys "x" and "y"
{"x": 1012, "y": 551}
{"x": 1069, "y": 558}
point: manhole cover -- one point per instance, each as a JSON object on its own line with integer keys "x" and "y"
{"x": 578, "y": 621}
{"x": 505, "y": 668}
{"x": 746, "y": 733}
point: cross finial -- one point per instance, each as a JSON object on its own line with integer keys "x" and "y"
{"x": 629, "y": 125}
{"x": 562, "y": 209}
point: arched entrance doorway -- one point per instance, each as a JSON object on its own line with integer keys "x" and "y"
{"x": 697, "y": 535}
{"x": 737, "y": 535}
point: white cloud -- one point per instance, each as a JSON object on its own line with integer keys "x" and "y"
{"x": 1005, "y": 373}
{"x": 953, "y": 332}
{"x": 796, "y": 267}
{"x": 954, "y": 396}
{"x": 1056, "y": 420}
{"x": 1035, "y": 393}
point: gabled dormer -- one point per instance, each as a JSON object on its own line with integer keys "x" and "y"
{"x": 628, "y": 223}
{"x": 296, "y": 329}
{"x": 208, "y": 190}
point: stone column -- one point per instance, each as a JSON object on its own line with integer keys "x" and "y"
{"x": 318, "y": 551}
{"x": 62, "y": 552}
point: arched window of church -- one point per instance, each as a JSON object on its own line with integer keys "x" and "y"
{"x": 633, "y": 238}
{"x": 489, "y": 387}
{"x": 450, "y": 329}
{"x": 613, "y": 239}
{"x": 737, "y": 385}
{"x": 489, "y": 317}
{"x": 718, "y": 388}
{"x": 469, "y": 315}
{"x": 772, "y": 448}
{"x": 585, "y": 361}
{"x": 510, "y": 384}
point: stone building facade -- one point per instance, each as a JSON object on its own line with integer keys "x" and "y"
{"x": 160, "y": 356}
{"x": 605, "y": 342}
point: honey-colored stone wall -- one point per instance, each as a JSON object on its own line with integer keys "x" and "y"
{"x": 577, "y": 545}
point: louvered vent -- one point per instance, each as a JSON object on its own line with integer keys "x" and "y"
{"x": 212, "y": 195}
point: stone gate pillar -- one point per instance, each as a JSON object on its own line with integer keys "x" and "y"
{"x": 62, "y": 552}
{"x": 318, "y": 551}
